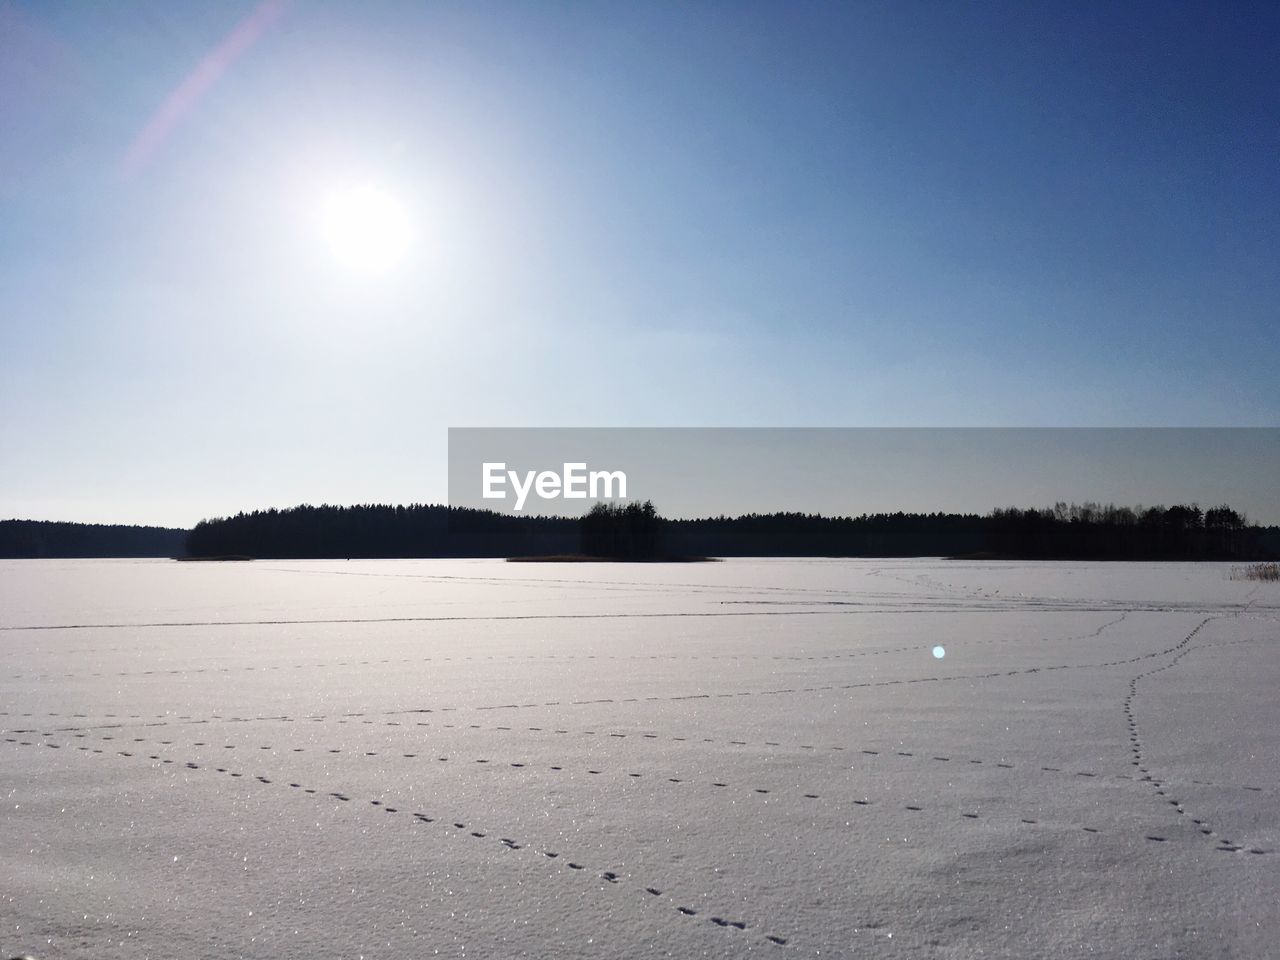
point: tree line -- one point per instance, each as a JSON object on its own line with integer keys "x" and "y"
{"x": 636, "y": 531}
{"x": 381, "y": 530}
{"x": 24, "y": 539}
{"x": 1105, "y": 531}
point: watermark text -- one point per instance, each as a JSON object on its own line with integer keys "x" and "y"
{"x": 574, "y": 482}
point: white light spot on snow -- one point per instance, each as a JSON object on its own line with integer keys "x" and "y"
{"x": 939, "y": 651}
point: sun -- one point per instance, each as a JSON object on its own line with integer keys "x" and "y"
{"x": 366, "y": 228}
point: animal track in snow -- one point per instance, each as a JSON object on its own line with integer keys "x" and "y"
{"x": 421, "y": 818}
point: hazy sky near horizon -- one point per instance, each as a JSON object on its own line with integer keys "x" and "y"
{"x": 656, "y": 214}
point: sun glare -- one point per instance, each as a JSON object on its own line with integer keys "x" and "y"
{"x": 366, "y": 228}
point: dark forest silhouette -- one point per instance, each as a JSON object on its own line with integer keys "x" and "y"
{"x": 631, "y": 531}
{"x": 635, "y": 531}
{"x": 43, "y": 538}
{"x": 379, "y": 530}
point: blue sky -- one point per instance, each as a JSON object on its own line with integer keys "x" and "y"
{"x": 623, "y": 214}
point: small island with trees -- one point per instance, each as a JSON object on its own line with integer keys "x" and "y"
{"x": 613, "y": 532}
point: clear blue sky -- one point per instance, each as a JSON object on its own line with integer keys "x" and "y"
{"x": 621, "y": 214}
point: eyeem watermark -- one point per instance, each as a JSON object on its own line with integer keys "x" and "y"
{"x": 574, "y": 482}
{"x": 708, "y": 472}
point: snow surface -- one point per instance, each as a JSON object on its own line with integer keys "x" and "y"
{"x": 756, "y": 757}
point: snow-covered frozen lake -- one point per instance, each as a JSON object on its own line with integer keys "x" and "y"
{"x": 871, "y": 758}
